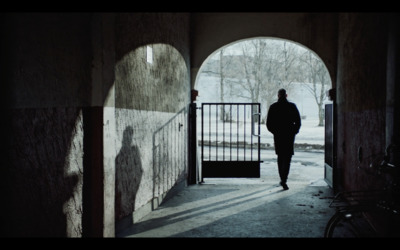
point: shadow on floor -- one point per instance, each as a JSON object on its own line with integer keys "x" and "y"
{"x": 245, "y": 210}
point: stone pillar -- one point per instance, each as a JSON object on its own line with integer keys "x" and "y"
{"x": 99, "y": 134}
{"x": 393, "y": 87}
{"x": 361, "y": 95}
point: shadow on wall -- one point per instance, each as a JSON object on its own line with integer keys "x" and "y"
{"x": 41, "y": 175}
{"x": 128, "y": 175}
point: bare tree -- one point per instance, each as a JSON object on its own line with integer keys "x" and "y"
{"x": 224, "y": 63}
{"x": 262, "y": 67}
{"x": 287, "y": 62}
{"x": 272, "y": 65}
{"x": 318, "y": 78}
{"x": 221, "y": 82}
{"x": 253, "y": 69}
{"x": 252, "y": 74}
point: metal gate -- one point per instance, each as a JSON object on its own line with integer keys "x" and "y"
{"x": 230, "y": 140}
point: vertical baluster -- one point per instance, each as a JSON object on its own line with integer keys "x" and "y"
{"x": 251, "y": 127}
{"x": 244, "y": 132}
{"x": 223, "y": 132}
{"x": 209, "y": 131}
{"x": 202, "y": 132}
{"x": 259, "y": 132}
{"x": 230, "y": 134}
{"x": 216, "y": 127}
{"x": 237, "y": 132}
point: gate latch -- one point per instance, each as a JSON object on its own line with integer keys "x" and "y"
{"x": 252, "y": 124}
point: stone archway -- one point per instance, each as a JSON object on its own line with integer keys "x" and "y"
{"x": 306, "y": 141}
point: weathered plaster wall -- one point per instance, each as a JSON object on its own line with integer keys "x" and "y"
{"x": 93, "y": 131}
{"x": 151, "y": 101}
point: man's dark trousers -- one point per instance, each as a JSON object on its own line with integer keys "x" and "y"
{"x": 284, "y": 166}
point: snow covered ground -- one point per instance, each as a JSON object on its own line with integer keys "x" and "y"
{"x": 310, "y": 132}
{"x": 305, "y": 164}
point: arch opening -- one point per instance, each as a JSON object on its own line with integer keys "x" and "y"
{"x": 252, "y": 70}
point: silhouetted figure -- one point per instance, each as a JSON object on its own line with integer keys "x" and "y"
{"x": 283, "y": 121}
{"x": 127, "y": 176}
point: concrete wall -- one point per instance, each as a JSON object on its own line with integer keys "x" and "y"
{"x": 361, "y": 96}
{"x": 94, "y": 136}
{"x": 151, "y": 101}
{"x": 91, "y": 130}
{"x": 212, "y": 31}
{"x": 361, "y": 60}
{"x": 47, "y": 83}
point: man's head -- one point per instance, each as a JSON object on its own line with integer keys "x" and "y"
{"x": 282, "y": 93}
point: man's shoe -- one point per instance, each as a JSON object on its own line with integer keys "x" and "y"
{"x": 284, "y": 185}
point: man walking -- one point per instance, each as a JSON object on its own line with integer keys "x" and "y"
{"x": 283, "y": 121}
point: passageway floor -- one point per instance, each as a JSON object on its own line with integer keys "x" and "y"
{"x": 245, "y": 207}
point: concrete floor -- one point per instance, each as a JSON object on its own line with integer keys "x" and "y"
{"x": 237, "y": 208}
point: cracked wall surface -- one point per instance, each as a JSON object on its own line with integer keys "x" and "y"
{"x": 84, "y": 111}
{"x": 151, "y": 101}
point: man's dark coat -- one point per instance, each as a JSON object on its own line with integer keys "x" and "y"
{"x": 283, "y": 121}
